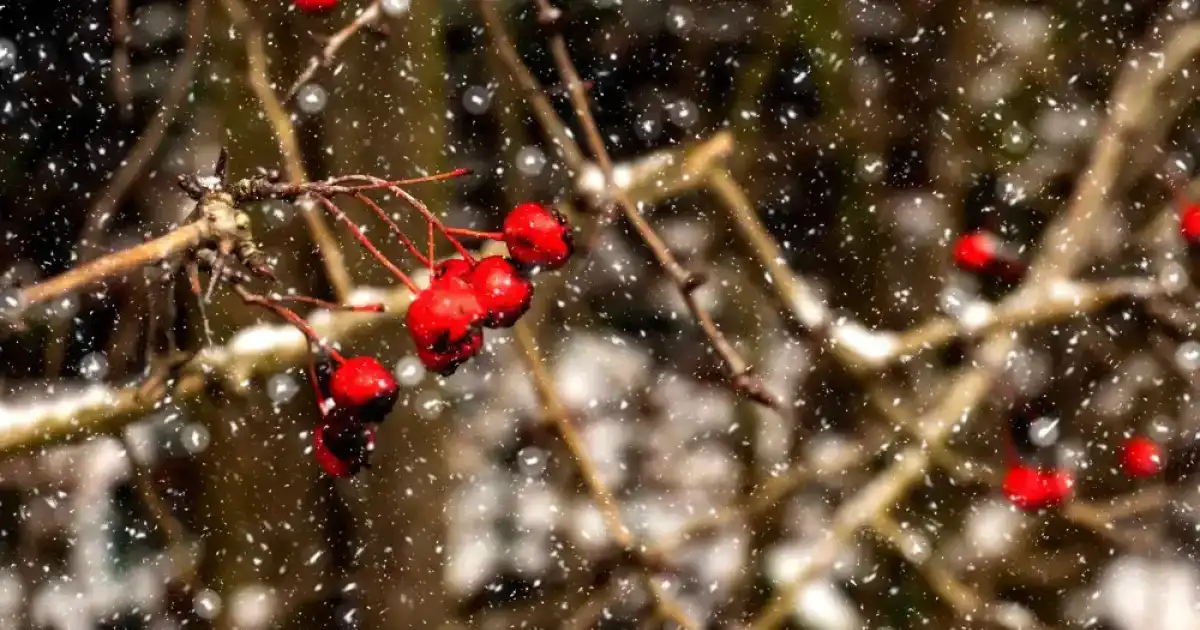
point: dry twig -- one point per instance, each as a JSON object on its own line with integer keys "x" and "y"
{"x": 259, "y": 80}
{"x": 366, "y": 17}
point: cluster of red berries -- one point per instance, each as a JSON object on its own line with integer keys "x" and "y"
{"x": 465, "y": 295}
{"x": 1033, "y": 488}
{"x": 353, "y": 395}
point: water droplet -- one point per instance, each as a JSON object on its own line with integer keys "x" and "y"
{"x": 410, "y": 371}
{"x": 8, "y": 53}
{"x": 281, "y": 388}
{"x": 1044, "y": 431}
{"x": 195, "y": 438}
{"x": 532, "y": 461}
{"x": 430, "y": 405}
{"x": 311, "y": 98}
{"x": 476, "y": 99}
{"x": 683, "y": 113}
{"x": 1188, "y": 356}
{"x": 207, "y": 604}
{"x": 531, "y": 160}
{"x": 679, "y": 20}
{"x": 395, "y": 8}
{"x": 94, "y": 366}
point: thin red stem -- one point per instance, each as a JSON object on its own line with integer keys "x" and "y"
{"x": 366, "y": 242}
{"x": 333, "y": 306}
{"x": 412, "y": 247}
{"x": 490, "y": 236}
{"x": 429, "y": 216}
{"x": 291, "y": 317}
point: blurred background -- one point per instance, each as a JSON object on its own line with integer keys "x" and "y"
{"x": 867, "y": 135}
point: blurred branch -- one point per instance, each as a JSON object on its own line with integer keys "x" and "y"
{"x": 139, "y": 157}
{"x": 368, "y": 16}
{"x": 1063, "y": 251}
{"x": 967, "y": 603}
{"x": 864, "y": 350}
{"x": 259, "y": 79}
{"x": 118, "y": 11}
{"x": 740, "y": 378}
{"x": 558, "y": 415}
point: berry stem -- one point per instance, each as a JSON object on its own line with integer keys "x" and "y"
{"x": 490, "y": 236}
{"x": 412, "y": 247}
{"x": 366, "y": 242}
{"x": 429, "y": 216}
{"x": 290, "y": 316}
{"x": 333, "y": 306}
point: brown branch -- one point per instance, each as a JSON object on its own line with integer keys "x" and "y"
{"x": 323, "y": 59}
{"x": 967, "y": 603}
{"x": 176, "y": 242}
{"x": 740, "y": 378}
{"x": 119, "y": 14}
{"x": 139, "y": 157}
{"x": 543, "y": 109}
{"x": 560, "y": 418}
{"x": 259, "y": 79}
{"x": 1063, "y": 250}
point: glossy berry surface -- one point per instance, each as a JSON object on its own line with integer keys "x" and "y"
{"x": 445, "y": 315}
{"x": 976, "y": 252}
{"x": 446, "y": 362}
{"x": 537, "y": 236}
{"x": 1031, "y": 489}
{"x": 504, "y": 293}
{"x": 343, "y": 447}
{"x": 315, "y": 6}
{"x": 363, "y": 385}
{"x": 1189, "y": 223}
{"x": 452, "y": 268}
{"x": 1141, "y": 457}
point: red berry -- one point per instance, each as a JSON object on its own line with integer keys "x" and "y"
{"x": 1033, "y": 489}
{"x": 537, "y": 236}
{"x": 445, "y": 363}
{"x": 343, "y": 447}
{"x": 1058, "y": 485}
{"x": 504, "y": 293}
{"x": 443, "y": 316}
{"x": 452, "y": 268}
{"x": 976, "y": 252}
{"x": 1141, "y": 457}
{"x": 363, "y": 385}
{"x": 1189, "y": 223}
{"x": 315, "y": 6}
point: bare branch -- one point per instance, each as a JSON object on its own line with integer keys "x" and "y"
{"x": 368, "y": 16}
{"x": 259, "y": 80}
{"x": 139, "y": 157}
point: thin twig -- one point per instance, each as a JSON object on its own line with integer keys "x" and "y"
{"x": 119, "y": 14}
{"x": 740, "y": 378}
{"x": 139, "y": 157}
{"x": 1063, "y": 250}
{"x": 323, "y": 59}
{"x": 259, "y": 80}
{"x": 543, "y": 109}
{"x": 556, "y": 414}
